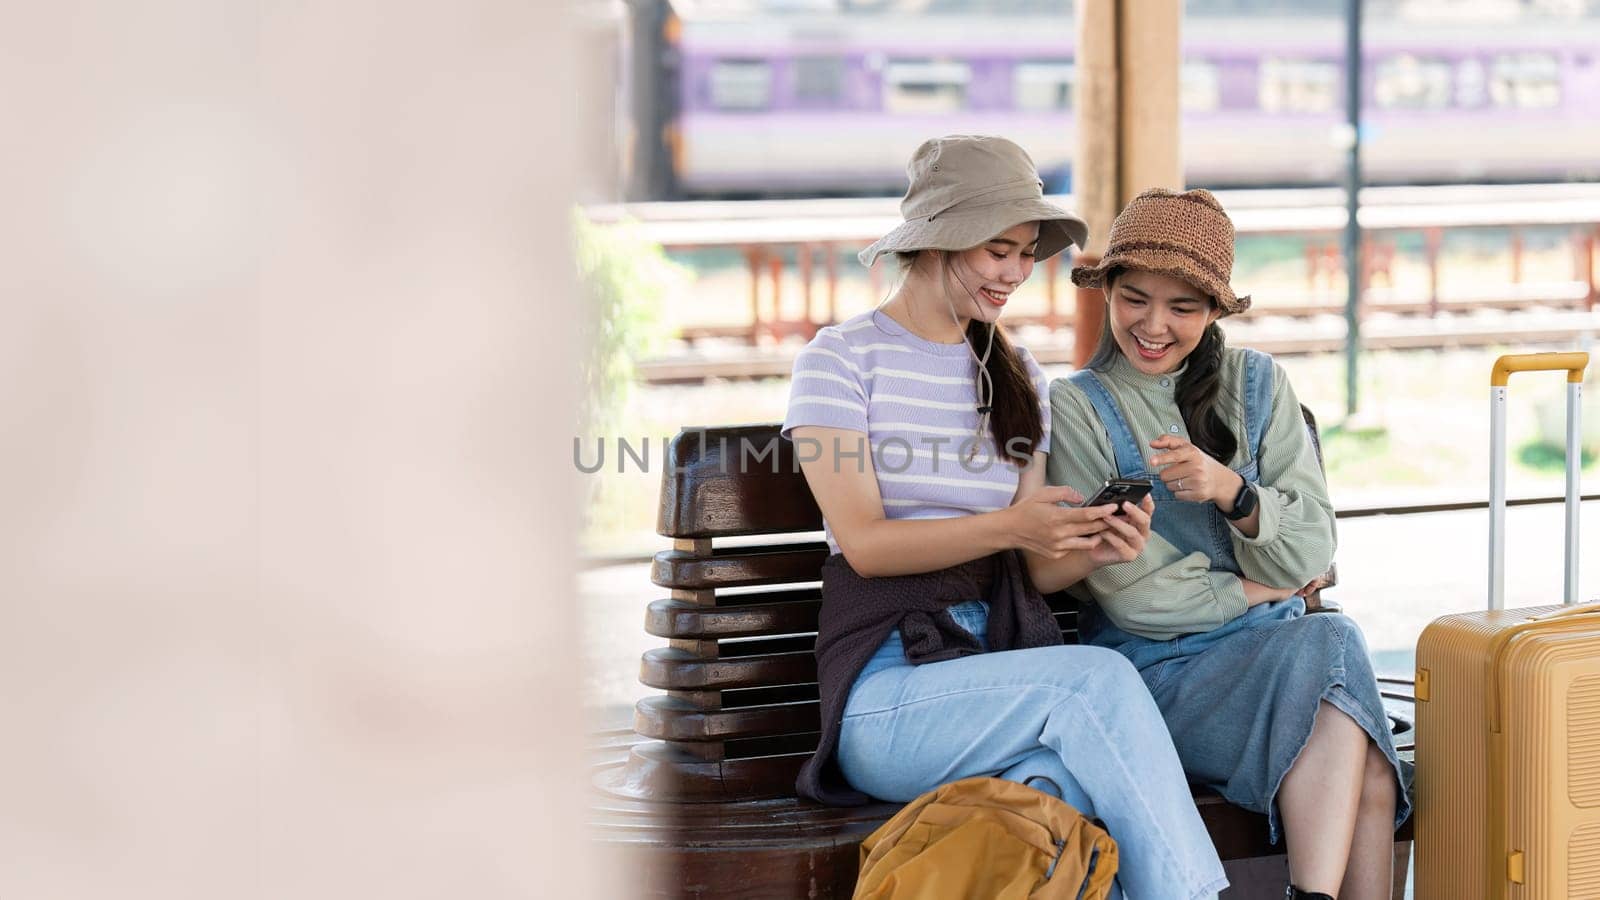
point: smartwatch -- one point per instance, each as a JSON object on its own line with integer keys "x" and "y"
{"x": 1244, "y": 503}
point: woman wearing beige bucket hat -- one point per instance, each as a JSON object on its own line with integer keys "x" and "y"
{"x": 1276, "y": 710}
{"x": 922, "y": 432}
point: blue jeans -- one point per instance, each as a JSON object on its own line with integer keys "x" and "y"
{"x": 1240, "y": 700}
{"x": 1080, "y": 716}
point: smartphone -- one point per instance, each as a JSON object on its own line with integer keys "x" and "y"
{"x": 1116, "y": 490}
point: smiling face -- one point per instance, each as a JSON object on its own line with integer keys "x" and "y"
{"x": 979, "y": 281}
{"x": 1156, "y": 320}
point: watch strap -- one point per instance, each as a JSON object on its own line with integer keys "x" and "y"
{"x": 1244, "y": 503}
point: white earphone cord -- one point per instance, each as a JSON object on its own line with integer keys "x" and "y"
{"x": 985, "y": 383}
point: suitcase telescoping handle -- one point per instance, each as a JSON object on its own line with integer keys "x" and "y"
{"x": 1574, "y": 365}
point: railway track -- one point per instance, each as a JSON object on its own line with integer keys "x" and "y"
{"x": 770, "y": 233}
{"x": 1282, "y": 331}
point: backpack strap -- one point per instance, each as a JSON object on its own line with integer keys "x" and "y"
{"x": 1054, "y": 788}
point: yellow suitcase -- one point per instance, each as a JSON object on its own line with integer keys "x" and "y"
{"x": 1508, "y": 717}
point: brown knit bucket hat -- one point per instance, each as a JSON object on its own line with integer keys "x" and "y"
{"x": 1187, "y": 236}
{"x": 965, "y": 189}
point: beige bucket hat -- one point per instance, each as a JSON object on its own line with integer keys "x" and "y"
{"x": 1187, "y": 236}
{"x": 965, "y": 189}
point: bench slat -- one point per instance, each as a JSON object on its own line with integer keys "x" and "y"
{"x": 663, "y": 773}
{"x": 741, "y": 567}
{"x": 680, "y": 619}
{"x": 769, "y": 695}
{"x": 670, "y": 719}
{"x": 672, "y": 669}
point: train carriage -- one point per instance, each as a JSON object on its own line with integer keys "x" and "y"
{"x": 810, "y": 103}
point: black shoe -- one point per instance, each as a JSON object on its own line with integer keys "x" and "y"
{"x": 1294, "y": 893}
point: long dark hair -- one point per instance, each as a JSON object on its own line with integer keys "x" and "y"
{"x": 1199, "y": 392}
{"x": 1014, "y": 413}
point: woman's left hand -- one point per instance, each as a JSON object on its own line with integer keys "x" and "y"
{"x": 1191, "y": 473}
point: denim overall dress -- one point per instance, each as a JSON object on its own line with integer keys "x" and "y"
{"x": 1240, "y": 700}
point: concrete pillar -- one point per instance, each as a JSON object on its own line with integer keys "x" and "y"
{"x": 1126, "y": 107}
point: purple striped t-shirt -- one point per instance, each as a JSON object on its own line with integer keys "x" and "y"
{"x": 916, "y": 403}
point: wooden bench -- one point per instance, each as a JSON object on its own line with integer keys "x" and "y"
{"x": 707, "y": 801}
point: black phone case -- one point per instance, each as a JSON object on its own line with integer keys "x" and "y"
{"x": 1118, "y": 490}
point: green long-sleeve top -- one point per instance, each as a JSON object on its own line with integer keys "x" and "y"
{"x": 1165, "y": 593}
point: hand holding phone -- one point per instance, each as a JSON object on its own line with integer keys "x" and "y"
{"x": 1117, "y": 490}
{"x": 1049, "y": 522}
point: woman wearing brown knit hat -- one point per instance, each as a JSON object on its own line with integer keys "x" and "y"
{"x": 1276, "y": 710}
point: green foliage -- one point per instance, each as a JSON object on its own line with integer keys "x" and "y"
{"x": 625, "y": 282}
{"x": 1546, "y": 457}
{"x": 1259, "y": 251}
{"x": 1361, "y": 456}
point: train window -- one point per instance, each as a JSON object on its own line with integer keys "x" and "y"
{"x": 818, "y": 80}
{"x": 1471, "y": 83}
{"x": 1199, "y": 89}
{"x": 741, "y": 84}
{"x": 1297, "y": 85}
{"x": 1412, "y": 82}
{"x": 1043, "y": 85}
{"x": 1525, "y": 80}
{"x": 925, "y": 86}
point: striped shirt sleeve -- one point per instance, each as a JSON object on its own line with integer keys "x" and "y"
{"x": 826, "y": 388}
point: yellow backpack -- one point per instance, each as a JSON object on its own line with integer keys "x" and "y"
{"x": 987, "y": 837}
